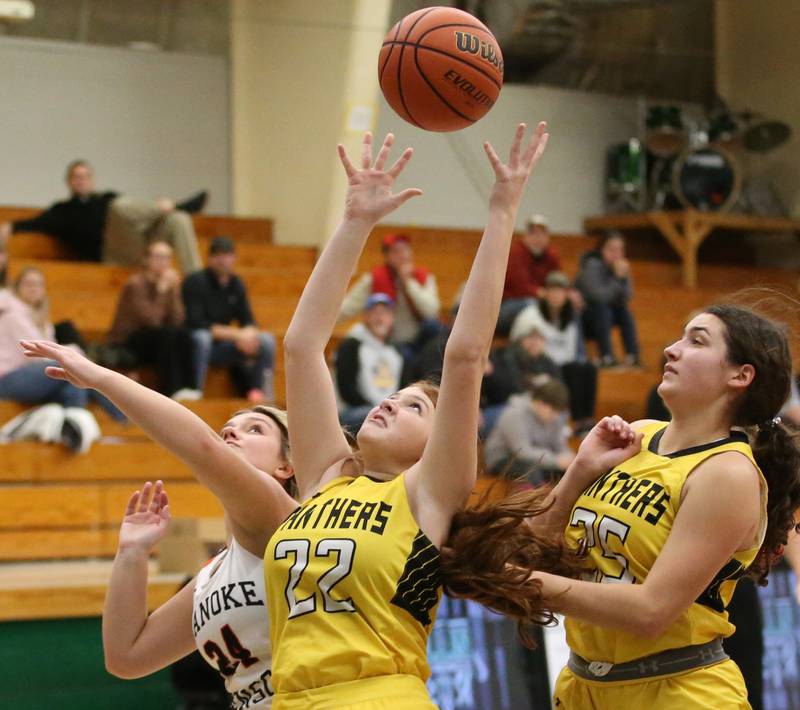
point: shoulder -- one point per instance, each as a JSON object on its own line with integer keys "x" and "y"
{"x": 194, "y": 278}
{"x": 728, "y": 478}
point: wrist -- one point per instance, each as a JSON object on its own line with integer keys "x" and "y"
{"x": 134, "y": 551}
{"x": 358, "y": 223}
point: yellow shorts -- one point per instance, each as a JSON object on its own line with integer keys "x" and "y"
{"x": 710, "y": 688}
{"x": 394, "y": 692}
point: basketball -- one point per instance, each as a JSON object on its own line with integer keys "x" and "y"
{"x": 440, "y": 69}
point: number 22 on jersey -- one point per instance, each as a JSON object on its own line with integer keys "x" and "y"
{"x": 340, "y": 551}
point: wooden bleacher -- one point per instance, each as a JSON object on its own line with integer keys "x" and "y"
{"x": 67, "y": 508}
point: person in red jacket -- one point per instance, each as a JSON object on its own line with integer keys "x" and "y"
{"x": 412, "y": 288}
{"x": 530, "y": 260}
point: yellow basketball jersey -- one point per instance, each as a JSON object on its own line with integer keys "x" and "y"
{"x": 353, "y": 587}
{"x": 625, "y": 518}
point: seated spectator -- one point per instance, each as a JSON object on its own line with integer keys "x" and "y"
{"x": 109, "y": 227}
{"x": 530, "y": 259}
{"x": 554, "y": 316}
{"x": 149, "y": 322}
{"x": 513, "y": 369}
{"x": 604, "y": 280}
{"x": 23, "y": 316}
{"x": 368, "y": 368}
{"x": 530, "y": 438}
{"x": 412, "y": 288}
{"x": 223, "y": 328}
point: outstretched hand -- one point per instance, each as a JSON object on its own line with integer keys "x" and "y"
{"x": 146, "y": 518}
{"x": 610, "y": 442}
{"x": 369, "y": 188}
{"x": 511, "y": 177}
{"x": 72, "y": 366}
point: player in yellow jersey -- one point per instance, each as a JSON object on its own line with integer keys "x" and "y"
{"x": 668, "y": 531}
{"x": 353, "y": 576}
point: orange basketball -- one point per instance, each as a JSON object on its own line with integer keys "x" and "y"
{"x": 440, "y": 69}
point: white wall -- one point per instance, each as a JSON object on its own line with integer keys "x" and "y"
{"x": 568, "y": 185}
{"x": 151, "y": 123}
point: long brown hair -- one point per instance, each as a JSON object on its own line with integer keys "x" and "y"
{"x": 491, "y": 550}
{"x": 753, "y": 338}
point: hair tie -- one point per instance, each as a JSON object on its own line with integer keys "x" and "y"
{"x": 769, "y": 424}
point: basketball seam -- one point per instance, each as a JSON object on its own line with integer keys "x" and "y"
{"x": 389, "y": 55}
{"x": 435, "y": 91}
{"x": 452, "y": 56}
{"x": 400, "y": 67}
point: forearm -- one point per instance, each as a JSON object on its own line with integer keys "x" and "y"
{"x": 561, "y": 501}
{"x": 125, "y": 611}
{"x": 224, "y": 332}
{"x": 318, "y": 309}
{"x": 480, "y": 304}
{"x": 622, "y": 607}
{"x": 165, "y": 421}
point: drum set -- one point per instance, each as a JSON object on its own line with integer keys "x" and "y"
{"x": 685, "y": 163}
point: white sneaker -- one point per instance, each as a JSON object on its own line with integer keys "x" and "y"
{"x": 187, "y": 395}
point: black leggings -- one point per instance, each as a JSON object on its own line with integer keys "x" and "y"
{"x": 581, "y": 381}
{"x": 171, "y": 350}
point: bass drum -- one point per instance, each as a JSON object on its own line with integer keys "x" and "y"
{"x": 706, "y": 179}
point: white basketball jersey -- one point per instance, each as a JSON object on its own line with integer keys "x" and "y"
{"x": 231, "y": 628}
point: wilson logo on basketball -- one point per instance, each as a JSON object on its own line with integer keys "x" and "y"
{"x": 470, "y": 44}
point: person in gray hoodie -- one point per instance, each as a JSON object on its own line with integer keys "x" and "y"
{"x": 530, "y": 438}
{"x": 368, "y": 367}
{"x": 604, "y": 280}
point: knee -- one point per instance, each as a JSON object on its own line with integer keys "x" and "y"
{"x": 202, "y": 340}
{"x": 178, "y": 220}
{"x": 267, "y": 341}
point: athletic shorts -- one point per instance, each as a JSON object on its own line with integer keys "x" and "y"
{"x": 709, "y": 688}
{"x": 396, "y": 692}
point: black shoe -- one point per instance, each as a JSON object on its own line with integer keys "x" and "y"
{"x": 71, "y": 436}
{"x": 193, "y": 204}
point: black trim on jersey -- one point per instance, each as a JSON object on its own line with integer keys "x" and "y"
{"x": 656, "y": 440}
{"x": 711, "y": 596}
{"x": 418, "y": 587}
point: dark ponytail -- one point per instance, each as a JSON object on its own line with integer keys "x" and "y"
{"x": 776, "y": 448}
{"x": 764, "y": 344}
{"x": 492, "y": 550}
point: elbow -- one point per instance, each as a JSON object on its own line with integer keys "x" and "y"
{"x": 651, "y": 620}
{"x": 121, "y": 668}
{"x": 470, "y": 353}
{"x": 296, "y": 344}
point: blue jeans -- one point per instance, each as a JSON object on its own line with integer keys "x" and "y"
{"x": 30, "y": 385}
{"x": 600, "y": 318}
{"x": 247, "y": 372}
{"x": 509, "y": 310}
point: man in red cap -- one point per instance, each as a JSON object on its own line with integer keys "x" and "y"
{"x": 412, "y": 288}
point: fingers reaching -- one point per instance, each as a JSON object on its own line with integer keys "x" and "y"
{"x": 494, "y": 159}
{"x": 383, "y": 154}
{"x": 57, "y": 373}
{"x": 366, "y": 151}
{"x": 133, "y": 501}
{"x": 401, "y": 163}
{"x": 516, "y": 145}
{"x": 349, "y": 168}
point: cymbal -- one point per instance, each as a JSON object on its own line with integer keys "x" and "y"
{"x": 766, "y": 136}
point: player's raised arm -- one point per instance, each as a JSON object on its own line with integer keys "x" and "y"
{"x": 256, "y": 503}
{"x": 316, "y": 437}
{"x": 443, "y": 479}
